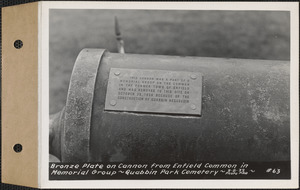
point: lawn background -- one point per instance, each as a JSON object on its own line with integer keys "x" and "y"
{"x": 224, "y": 34}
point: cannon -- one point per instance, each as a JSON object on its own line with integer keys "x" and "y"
{"x": 131, "y": 107}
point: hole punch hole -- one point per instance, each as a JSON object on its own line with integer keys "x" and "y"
{"x": 18, "y": 148}
{"x": 18, "y": 44}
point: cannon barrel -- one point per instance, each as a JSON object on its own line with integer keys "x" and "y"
{"x": 234, "y": 109}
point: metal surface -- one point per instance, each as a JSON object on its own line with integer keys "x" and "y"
{"x": 154, "y": 91}
{"x": 78, "y": 108}
{"x": 245, "y": 114}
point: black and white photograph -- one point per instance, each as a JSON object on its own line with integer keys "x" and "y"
{"x": 167, "y": 94}
{"x": 149, "y": 95}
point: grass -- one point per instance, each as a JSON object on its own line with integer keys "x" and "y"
{"x": 230, "y": 34}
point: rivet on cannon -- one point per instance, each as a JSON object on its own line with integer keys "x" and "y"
{"x": 193, "y": 107}
{"x": 113, "y": 102}
{"x": 193, "y": 76}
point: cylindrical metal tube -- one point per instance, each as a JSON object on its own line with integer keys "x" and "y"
{"x": 244, "y": 117}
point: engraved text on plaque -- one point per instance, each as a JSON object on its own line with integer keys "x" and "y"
{"x": 154, "y": 91}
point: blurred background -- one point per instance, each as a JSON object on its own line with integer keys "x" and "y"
{"x": 224, "y": 34}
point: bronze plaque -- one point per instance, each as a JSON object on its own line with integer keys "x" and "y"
{"x": 154, "y": 91}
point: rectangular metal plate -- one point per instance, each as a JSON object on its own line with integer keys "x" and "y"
{"x": 154, "y": 91}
